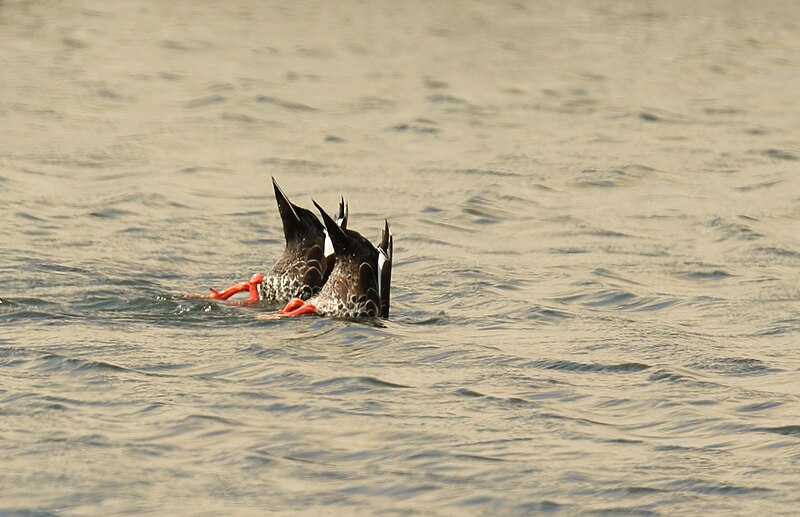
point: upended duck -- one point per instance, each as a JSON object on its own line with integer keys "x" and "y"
{"x": 359, "y": 284}
{"x": 325, "y": 269}
{"x": 306, "y": 262}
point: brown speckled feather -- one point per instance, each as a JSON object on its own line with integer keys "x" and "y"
{"x": 352, "y": 290}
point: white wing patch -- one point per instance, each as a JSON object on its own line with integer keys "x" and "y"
{"x": 328, "y": 244}
{"x": 382, "y": 257}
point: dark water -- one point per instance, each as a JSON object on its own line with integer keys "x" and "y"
{"x": 596, "y": 304}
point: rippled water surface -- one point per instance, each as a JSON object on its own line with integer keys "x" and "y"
{"x": 596, "y": 293}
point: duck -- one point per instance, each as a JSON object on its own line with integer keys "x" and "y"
{"x": 306, "y": 263}
{"x": 359, "y": 284}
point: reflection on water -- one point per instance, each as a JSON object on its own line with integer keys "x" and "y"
{"x": 596, "y": 298}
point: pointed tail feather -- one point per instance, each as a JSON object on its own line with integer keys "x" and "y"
{"x": 288, "y": 213}
{"x": 385, "y": 251}
{"x": 335, "y": 233}
{"x": 341, "y": 219}
{"x": 297, "y": 221}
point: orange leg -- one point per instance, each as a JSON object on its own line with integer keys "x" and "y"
{"x": 293, "y": 304}
{"x": 250, "y": 286}
{"x": 297, "y": 307}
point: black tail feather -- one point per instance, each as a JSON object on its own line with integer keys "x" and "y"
{"x": 297, "y": 221}
{"x": 385, "y": 252}
{"x": 341, "y": 219}
{"x": 337, "y": 235}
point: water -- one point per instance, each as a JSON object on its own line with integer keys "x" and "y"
{"x": 596, "y": 299}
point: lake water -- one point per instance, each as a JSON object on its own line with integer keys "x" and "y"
{"x": 596, "y": 292}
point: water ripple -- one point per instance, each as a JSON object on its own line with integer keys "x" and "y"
{"x": 595, "y": 292}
